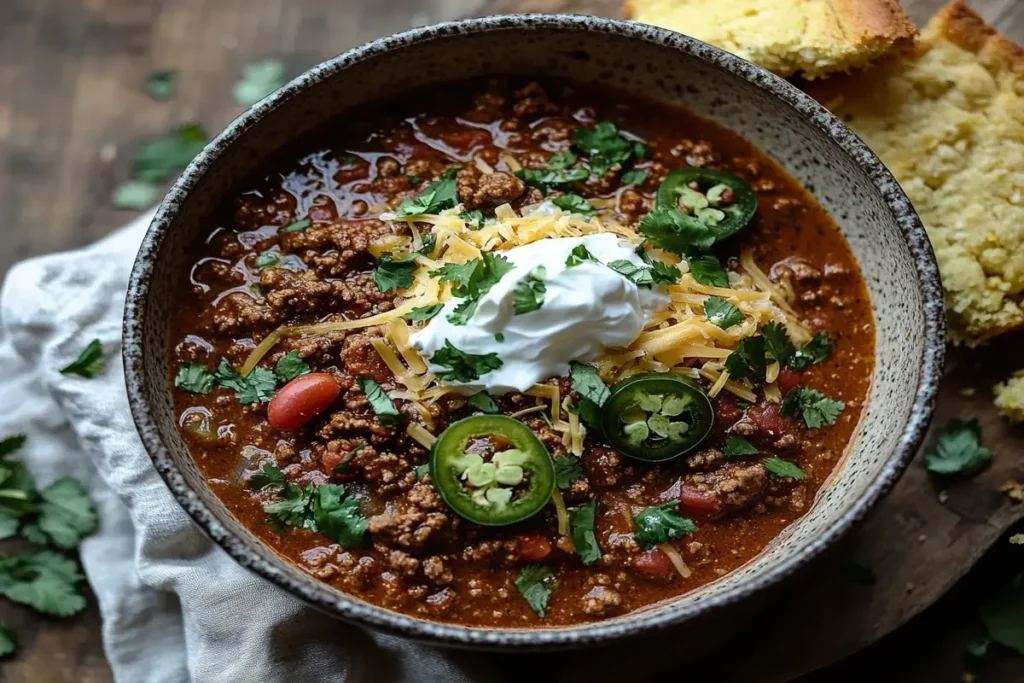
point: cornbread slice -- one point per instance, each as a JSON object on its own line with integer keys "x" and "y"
{"x": 949, "y": 123}
{"x": 1010, "y": 397}
{"x": 809, "y": 37}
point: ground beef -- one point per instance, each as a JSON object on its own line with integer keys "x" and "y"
{"x": 362, "y": 360}
{"x": 409, "y": 530}
{"x": 735, "y": 486}
{"x": 240, "y": 313}
{"x": 601, "y": 601}
{"x": 605, "y": 467}
{"x": 434, "y": 569}
{"x": 386, "y": 473}
{"x": 478, "y": 190}
{"x": 705, "y": 460}
{"x": 305, "y": 292}
{"x": 532, "y": 100}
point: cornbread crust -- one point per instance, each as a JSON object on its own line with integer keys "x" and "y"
{"x": 949, "y": 123}
{"x": 809, "y": 37}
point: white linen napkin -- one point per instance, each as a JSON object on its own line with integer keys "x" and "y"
{"x": 175, "y": 607}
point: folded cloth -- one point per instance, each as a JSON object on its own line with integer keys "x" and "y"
{"x": 175, "y": 607}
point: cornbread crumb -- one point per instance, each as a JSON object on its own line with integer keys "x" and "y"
{"x": 809, "y": 37}
{"x": 949, "y": 123}
{"x": 1010, "y": 397}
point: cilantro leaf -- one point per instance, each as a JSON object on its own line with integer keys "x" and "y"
{"x": 268, "y": 476}
{"x": 462, "y": 275}
{"x": 135, "y": 195}
{"x": 258, "y": 386}
{"x": 45, "y": 580}
{"x": 587, "y": 383}
{"x": 165, "y": 157}
{"x": 677, "y": 232}
{"x": 1003, "y": 615}
{"x": 471, "y": 281}
{"x": 779, "y": 344}
{"x": 294, "y": 508}
{"x": 383, "y": 406}
{"x": 499, "y": 337}
{"x": 483, "y": 402}
{"x": 462, "y": 366}
{"x": 567, "y": 471}
{"x": 439, "y": 195}
{"x": 532, "y": 585}
{"x": 528, "y": 295}
{"x": 66, "y": 513}
{"x": 8, "y": 642}
{"x": 818, "y": 350}
{"x": 429, "y": 244}
{"x": 816, "y": 409}
{"x": 574, "y": 203}
{"x": 584, "y": 536}
{"x": 462, "y": 313}
{"x": 346, "y": 463}
{"x": 475, "y": 219}
{"x": 578, "y": 256}
{"x": 664, "y": 274}
{"x": 661, "y": 524}
{"x": 544, "y": 179}
{"x": 161, "y": 84}
{"x": 707, "y": 270}
{"x": 636, "y": 176}
{"x": 738, "y": 446}
{"x": 89, "y": 362}
{"x": 392, "y": 274}
{"x": 423, "y": 312}
{"x": 722, "y": 313}
{"x": 748, "y": 360}
{"x": 414, "y": 180}
{"x": 259, "y": 80}
{"x": 297, "y": 226}
{"x": 337, "y": 516}
{"x": 11, "y": 444}
{"x": 563, "y": 160}
{"x": 270, "y": 258}
{"x": 422, "y": 470}
{"x": 957, "y": 449}
{"x": 194, "y": 378}
{"x": 778, "y": 467}
{"x": 605, "y": 147}
{"x": 289, "y": 366}
{"x": 641, "y": 276}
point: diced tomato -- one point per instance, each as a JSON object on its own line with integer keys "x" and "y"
{"x": 465, "y": 138}
{"x": 697, "y": 503}
{"x": 787, "y": 380}
{"x": 331, "y": 460}
{"x": 769, "y": 419}
{"x": 818, "y": 324}
{"x": 301, "y": 400}
{"x": 534, "y": 547}
{"x": 727, "y": 412}
{"x": 653, "y": 564}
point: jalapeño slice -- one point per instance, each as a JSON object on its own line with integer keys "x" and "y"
{"x": 492, "y": 470}
{"x": 721, "y": 201}
{"x": 656, "y": 416}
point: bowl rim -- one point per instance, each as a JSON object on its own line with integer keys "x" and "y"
{"x": 353, "y": 609}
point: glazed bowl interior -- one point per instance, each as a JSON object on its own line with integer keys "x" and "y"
{"x": 847, "y": 180}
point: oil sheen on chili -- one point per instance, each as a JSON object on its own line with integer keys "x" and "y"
{"x": 664, "y": 452}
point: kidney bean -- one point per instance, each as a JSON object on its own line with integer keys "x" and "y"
{"x": 653, "y": 564}
{"x": 534, "y": 547}
{"x": 301, "y": 400}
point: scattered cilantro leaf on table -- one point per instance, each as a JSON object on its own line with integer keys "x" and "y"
{"x": 89, "y": 363}
{"x": 816, "y": 409}
{"x": 957, "y": 449}
{"x": 533, "y": 585}
{"x": 135, "y": 195}
{"x": 660, "y": 524}
{"x": 165, "y": 157}
{"x": 1003, "y": 615}
{"x": 66, "y": 514}
{"x": 259, "y": 80}
{"x": 161, "y": 85}
{"x": 45, "y": 580}
{"x": 8, "y": 642}
{"x": 584, "y": 536}
{"x": 383, "y": 406}
{"x": 289, "y": 366}
{"x": 11, "y": 444}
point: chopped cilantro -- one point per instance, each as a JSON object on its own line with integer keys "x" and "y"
{"x": 163, "y": 158}
{"x": 738, "y": 446}
{"x": 957, "y": 449}
{"x": 464, "y": 311}
{"x": 45, "y": 580}
{"x": 440, "y": 195}
{"x": 135, "y": 195}
{"x": 779, "y": 344}
{"x": 483, "y": 402}
{"x": 297, "y": 226}
{"x": 661, "y": 524}
{"x": 271, "y": 258}
{"x": 722, "y": 313}
{"x": 290, "y": 366}
{"x": 578, "y": 256}
{"x": 256, "y": 387}
{"x": 544, "y": 179}
{"x": 65, "y": 513}
{"x": 268, "y": 476}
{"x": 471, "y": 281}
{"x": 818, "y": 350}
{"x": 528, "y": 295}
{"x": 328, "y": 509}
{"x": 664, "y": 274}
{"x": 584, "y": 536}
{"x": 462, "y": 366}
{"x": 605, "y": 147}
{"x": 499, "y": 337}
{"x": 635, "y": 177}
{"x": 414, "y": 180}
{"x": 562, "y": 160}
{"x": 8, "y": 641}
{"x": 423, "y": 312}
{"x": 677, "y": 232}
{"x": 161, "y": 84}
{"x": 588, "y": 384}
{"x": 89, "y": 362}
{"x": 194, "y": 378}
{"x": 259, "y": 80}
{"x": 574, "y": 203}
{"x": 567, "y": 471}
{"x": 346, "y": 463}
{"x": 11, "y": 444}
{"x": 532, "y": 584}
{"x": 392, "y": 274}
{"x": 422, "y": 470}
{"x": 816, "y": 409}
{"x": 383, "y": 406}
{"x": 707, "y": 270}
{"x": 748, "y": 360}
{"x": 778, "y": 467}
{"x": 475, "y": 219}
{"x": 644, "y": 276}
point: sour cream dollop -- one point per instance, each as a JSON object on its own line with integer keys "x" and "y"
{"x": 586, "y": 309}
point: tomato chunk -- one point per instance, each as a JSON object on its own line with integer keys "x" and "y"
{"x": 534, "y": 547}
{"x": 653, "y": 564}
{"x": 466, "y": 138}
{"x": 698, "y": 503}
{"x": 301, "y": 400}
{"x": 787, "y": 380}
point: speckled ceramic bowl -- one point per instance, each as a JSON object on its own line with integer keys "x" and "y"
{"x": 847, "y": 179}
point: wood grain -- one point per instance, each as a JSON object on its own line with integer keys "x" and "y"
{"x": 72, "y": 110}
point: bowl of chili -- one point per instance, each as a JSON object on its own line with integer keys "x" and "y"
{"x": 272, "y": 342}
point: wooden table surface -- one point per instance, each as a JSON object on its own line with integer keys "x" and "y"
{"x": 72, "y": 110}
